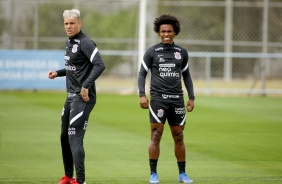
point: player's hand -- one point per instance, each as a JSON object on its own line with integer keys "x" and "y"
{"x": 144, "y": 103}
{"x": 52, "y": 74}
{"x": 190, "y": 105}
{"x": 84, "y": 94}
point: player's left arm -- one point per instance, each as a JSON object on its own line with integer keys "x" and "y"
{"x": 188, "y": 82}
{"x": 91, "y": 51}
{"x": 93, "y": 55}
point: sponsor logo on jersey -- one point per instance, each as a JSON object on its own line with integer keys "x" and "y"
{"x": 166, "y": 70}
{"x": 169, "y": 74}
{"x": 77, "y": 41}
{"x": 165, "y": 96}
{"x": 160, "y": 113}
{"x": 161, "y": 60}
{"x": 159, "y": 48}
{"x": 167, "y": 65}
{"x": 72, "y": 131}
{"x": 177, "y": 55}
{"x": 71, "y": 68}
{"x": 180, "y": 110}
{"x": 74, "y": 48}
{"x": 160, "y": 55}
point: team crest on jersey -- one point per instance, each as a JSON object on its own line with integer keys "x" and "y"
{"x": 74, "y": 48}
{"x": 160, "y": 113}
{"x": 177, "y": 55}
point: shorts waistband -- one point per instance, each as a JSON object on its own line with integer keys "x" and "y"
{"x": 168, "y": 96}
{"x": 71, "y": 94}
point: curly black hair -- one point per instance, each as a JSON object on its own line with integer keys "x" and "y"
{"x": 167, "y": 19}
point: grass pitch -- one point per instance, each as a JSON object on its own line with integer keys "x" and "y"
{"x": 228, "y": 140}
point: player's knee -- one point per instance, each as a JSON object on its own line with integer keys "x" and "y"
{"x": 178, "y": 138}
{"x": 156, "y": 137}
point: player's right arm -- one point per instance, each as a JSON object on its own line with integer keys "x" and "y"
{"x": 144, "y": 68}
{"x": 59, "y": 73}
{"x": 144, "y": 102}
{"x": 52, "y": 74}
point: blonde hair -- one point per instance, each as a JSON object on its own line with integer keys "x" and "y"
{"x": 74, "y": 13}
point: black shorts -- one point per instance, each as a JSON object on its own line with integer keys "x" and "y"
{"x": 171, "y": 110}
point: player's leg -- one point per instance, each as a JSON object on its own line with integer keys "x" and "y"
{"x": 179, "y": 146}
{"x": 66, "y": 150}
{"x": 180, "y": 153}
{"x": 157, "y": 119}
{"x": 154, "y": 150}
{"x": 79, "y": 115}
{"x": 156, "y": 135}
{"x": 177, "y": 119}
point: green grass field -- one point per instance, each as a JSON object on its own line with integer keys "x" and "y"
{"x": 228, "y": 139}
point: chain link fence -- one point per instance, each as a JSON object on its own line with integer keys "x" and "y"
{"x": 235, "y": 46}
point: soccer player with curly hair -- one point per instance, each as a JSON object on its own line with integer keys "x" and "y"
{"x": 168, "y": 64}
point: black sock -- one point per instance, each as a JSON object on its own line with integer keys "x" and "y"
{"x": 153, "y": 165}
{"x": 181, "y": 166}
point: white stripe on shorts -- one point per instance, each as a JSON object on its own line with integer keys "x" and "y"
{"x": 183, "y": 121}
{"x": 154, "y": 115}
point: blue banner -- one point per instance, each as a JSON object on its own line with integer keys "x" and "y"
{"x": 28, "y": 69}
